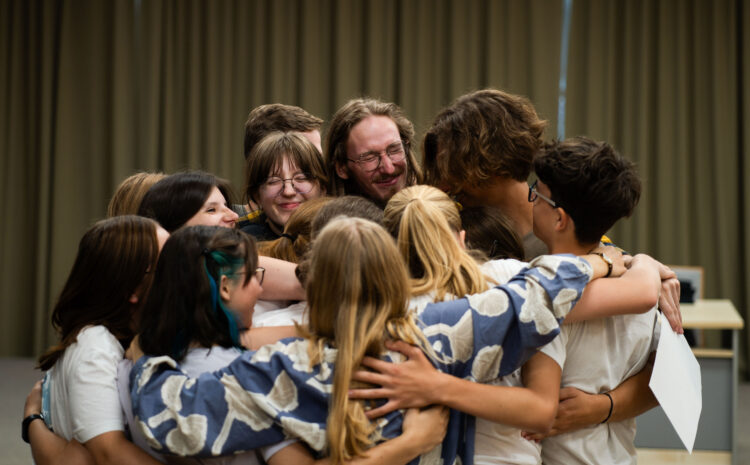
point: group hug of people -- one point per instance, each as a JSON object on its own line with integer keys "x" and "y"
{"x": 359, "y": 304}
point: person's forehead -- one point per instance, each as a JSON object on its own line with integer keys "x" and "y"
{"x": 372, "y": 133}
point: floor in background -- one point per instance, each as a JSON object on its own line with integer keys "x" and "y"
{"x": 18, "y": 375}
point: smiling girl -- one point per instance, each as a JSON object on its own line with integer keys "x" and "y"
{"x": 283, "y": 171}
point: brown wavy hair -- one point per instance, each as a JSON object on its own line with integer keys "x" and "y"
{"x": 481, "y": 135}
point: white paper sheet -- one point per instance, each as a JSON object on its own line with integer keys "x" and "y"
{"x": 676, "y": 383}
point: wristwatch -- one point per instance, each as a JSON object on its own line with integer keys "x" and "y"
{"x": 608, "y": 261}
{"x": 25, "y": 425}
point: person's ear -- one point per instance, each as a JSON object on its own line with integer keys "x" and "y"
{"x": 462, "y": 238}
{"x": 225, "y": 291}
{"x": 342, "y": 171}
{"x": 133, "y": 299}
{"x": 563, "y": 220}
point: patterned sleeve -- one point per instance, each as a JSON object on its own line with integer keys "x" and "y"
{"x": 488, "y": 335}
{"x": 260, "y": 399}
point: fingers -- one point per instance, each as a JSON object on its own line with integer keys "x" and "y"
{"x": 368, "y": 393}
{"x": 407, "y": 349}
{"x": 371, "y": 377}
{"x": 567, "y": 393}
{"x": 379, "y": 365}
{"x": 384, "y": 409}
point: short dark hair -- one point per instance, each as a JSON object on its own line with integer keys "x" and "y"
{"x": 593, "y": 183}
{"x": 481, "y": 135}
{"x": 180, "y": 309}
{"x": 345, "y": 119}
{"x": 265, "y": 119}
{"x": 491, "y": 232}
{"x": 178, "y": 197}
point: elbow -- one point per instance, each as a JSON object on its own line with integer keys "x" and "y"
{"x": 544, "y": 418}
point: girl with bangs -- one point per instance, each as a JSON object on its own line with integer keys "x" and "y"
{"x": 299, "y": 387}
{"x": 283, "y": 171}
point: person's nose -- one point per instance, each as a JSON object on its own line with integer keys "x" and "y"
{"x": 288, "y": 189}
{"x": 386, "y": 164}
{"x": 230, "y": 215}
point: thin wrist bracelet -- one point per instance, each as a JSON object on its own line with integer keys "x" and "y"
{"x": 611, "y": 406}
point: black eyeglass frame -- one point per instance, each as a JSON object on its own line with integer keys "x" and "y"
{"x": 533, "y": 194}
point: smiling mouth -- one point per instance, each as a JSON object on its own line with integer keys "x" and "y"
{"x": 388, "y": 182}
{"x": 289, "y": 206}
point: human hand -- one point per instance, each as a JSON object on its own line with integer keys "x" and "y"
{"x": 426, "y": 428}
{"x": 669, "y": 303}
{"x": 407, "y": 384}
{"x": 134, "y": 351}
{"x": 577, "y": 409}
{"x": 33, "y": 400}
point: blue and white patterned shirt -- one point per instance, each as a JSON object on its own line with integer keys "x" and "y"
{"x": 266, "y": 396}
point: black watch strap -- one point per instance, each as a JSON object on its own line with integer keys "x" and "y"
{"x": 25, "y": 425}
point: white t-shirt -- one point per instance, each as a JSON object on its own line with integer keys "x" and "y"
{"x": 296, "y": 312}
{"x": 196, "y": 362}
{"x": 82, "y": 388}
{"x": 262, "y": 307}
{"x": 496, "y": 443}
{"x": 599, "y": 355}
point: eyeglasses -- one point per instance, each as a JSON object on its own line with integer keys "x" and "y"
{"x": 260, "y": 273}
{"x": 301, "y": 183}
{"x": 370, "y": 161}
{"x": 533, "y": 194}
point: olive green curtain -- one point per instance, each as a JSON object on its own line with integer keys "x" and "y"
{"x": 92, "y": 91}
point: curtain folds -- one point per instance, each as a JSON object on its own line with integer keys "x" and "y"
{"x": 92, "y": 91}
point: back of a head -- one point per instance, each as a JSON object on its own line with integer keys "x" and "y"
{"x": 178, "y": 197}
{"x": 484, "y": 134}
{"x": 490, "y": 231}
{"x": 425, "y": 223}
{"x": 354, "y": 302}
{"x": 293, "y": 243}
{"x": 182, "y": 308}
{"x": 352, "y": 206}
{"x": 112, "y": 264}
{"x": 266, "y": 119}
{"x": 593, "y": 183}
{"x": 337, "y": 136}
{"x": 129, "y": 194}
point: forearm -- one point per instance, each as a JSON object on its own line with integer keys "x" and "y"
{"x": 255, "y": 338}
{"x": 513, "y": 406}
{"x": 280, "y": 281}
{"x": 47, "y": 448}
{"x": 633, "y": 397}
{"x": 113, "y": 448}
{"x": 636, "y": 291}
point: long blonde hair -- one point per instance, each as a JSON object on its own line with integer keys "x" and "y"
{"x": 425, "y": 222}
{"x": 357, "y": 292}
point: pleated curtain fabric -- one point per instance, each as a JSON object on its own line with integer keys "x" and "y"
{"x": 93, "y": 91}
